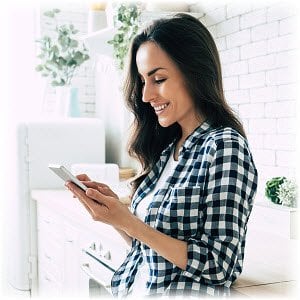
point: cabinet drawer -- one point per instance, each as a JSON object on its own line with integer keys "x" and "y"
{"x": 51, "y": 247}
{"x": 51, "y": 255}
{"x": 48, "y": 285}
{"x": 49, "y": 223}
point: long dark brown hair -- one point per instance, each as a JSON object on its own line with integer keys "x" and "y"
{"x": 190, "y": 45}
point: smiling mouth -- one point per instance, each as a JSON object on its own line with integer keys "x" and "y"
{"x": 160, "y": 108}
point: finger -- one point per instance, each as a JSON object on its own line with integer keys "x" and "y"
{"x": 101, "y": 187}
{"x": 108, "y": 192}
{"x": 92, "y": 184}
{"x": 94, "y": 205}
{"x": 83, "y": 177}
{"x": 98, "y": 196}
{"x": 96, "y": 184}
{"x": 78, "y": 193}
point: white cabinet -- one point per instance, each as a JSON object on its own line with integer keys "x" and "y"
{"x": 275, "y": 219}
{"x": 60, "y": 241}
{"x": 54, "y": 247}
{"x": 64, "y": 229}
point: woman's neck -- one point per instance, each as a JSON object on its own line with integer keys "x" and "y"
{"x": 186, "y": 131}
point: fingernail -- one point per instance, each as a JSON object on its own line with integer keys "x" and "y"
{"x": 89, "y": 192}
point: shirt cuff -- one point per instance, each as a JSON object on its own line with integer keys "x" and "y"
{"x": 196, "y": 260}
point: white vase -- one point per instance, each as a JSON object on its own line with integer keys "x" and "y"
{"x": 62, "y": 101}
{"x": 96, "y": 20}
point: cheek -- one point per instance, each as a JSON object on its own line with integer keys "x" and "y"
{"x": 175, "y": 92}
{"x": 170, "y": 91}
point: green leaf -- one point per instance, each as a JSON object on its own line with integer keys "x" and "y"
{"x": 55, "y": 83}
{"x": 71, "y": 62}
{"x": 272, "y": 187}
{"x": 49, "y": 14}
{"x": 41, "y": 56}
{"x": 39, "y": 68}
{"x": 55, "y": 50}
{"x": 73, "y": 44}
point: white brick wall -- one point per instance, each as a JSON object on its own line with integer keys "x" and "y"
{"x": 253, "y": 18}
{"x": 264, "y": 31}
{"x": 258, "y": 46}
{"x": 254, "y": 49}
{"x": 228, "y": 26}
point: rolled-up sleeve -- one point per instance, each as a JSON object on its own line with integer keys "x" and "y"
{"x": 229, "y": 188}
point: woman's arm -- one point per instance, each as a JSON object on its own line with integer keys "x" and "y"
{"x": 109, "y": 210}
{"x": 125, "y": 236}
{"x": 170, "y": 248}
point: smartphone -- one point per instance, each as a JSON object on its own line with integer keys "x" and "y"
{"x": 66, "y": 175}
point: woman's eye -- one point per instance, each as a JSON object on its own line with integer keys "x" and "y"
{"x": 159, "y": 81}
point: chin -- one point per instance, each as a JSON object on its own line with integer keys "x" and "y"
{"x": 165, "y": 123}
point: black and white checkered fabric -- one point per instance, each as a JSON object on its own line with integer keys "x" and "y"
{"x": 205, "y": 202}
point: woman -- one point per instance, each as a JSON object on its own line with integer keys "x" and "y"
{"x": 191, "y": 204}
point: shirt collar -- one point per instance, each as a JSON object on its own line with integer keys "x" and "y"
{"x": 189, "y": 142}
{"x": 196, "y": 134}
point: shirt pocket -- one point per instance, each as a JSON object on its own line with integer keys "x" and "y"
{"x": 180, "y": 212}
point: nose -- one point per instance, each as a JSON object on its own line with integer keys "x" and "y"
{"x": 148, "y": 93}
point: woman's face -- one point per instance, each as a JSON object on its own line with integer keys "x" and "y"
{"x": 164, "y": 88}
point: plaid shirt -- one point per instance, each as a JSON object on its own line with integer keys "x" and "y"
{"x": 205, "y": 202}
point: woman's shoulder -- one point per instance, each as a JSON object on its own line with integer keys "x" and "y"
{"x": 224, "y": 134}
{"x": 222, "y": 137}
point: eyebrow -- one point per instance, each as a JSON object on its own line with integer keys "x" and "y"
{"x": 154, "y": 71}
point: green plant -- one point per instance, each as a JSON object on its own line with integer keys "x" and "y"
{"x": 272, "y": 188}
{"x": 61, "y": 55}
{"x": 126, "y": 21}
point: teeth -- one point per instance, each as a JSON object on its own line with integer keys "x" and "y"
{"x": 160, "y": 107}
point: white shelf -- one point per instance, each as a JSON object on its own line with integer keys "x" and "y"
{"x": 275, "y": 219}
{"x": 268, "y": 203}
{"x": 97, "y": 41}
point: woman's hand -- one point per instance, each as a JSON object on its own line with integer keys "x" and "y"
{"x": 102, "y": 203}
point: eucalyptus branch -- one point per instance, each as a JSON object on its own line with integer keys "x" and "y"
{"x": 62, "y": 55}
{"x": 127, "y": 22}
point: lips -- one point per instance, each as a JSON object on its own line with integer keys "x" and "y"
{"x": 160, "y": 108}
